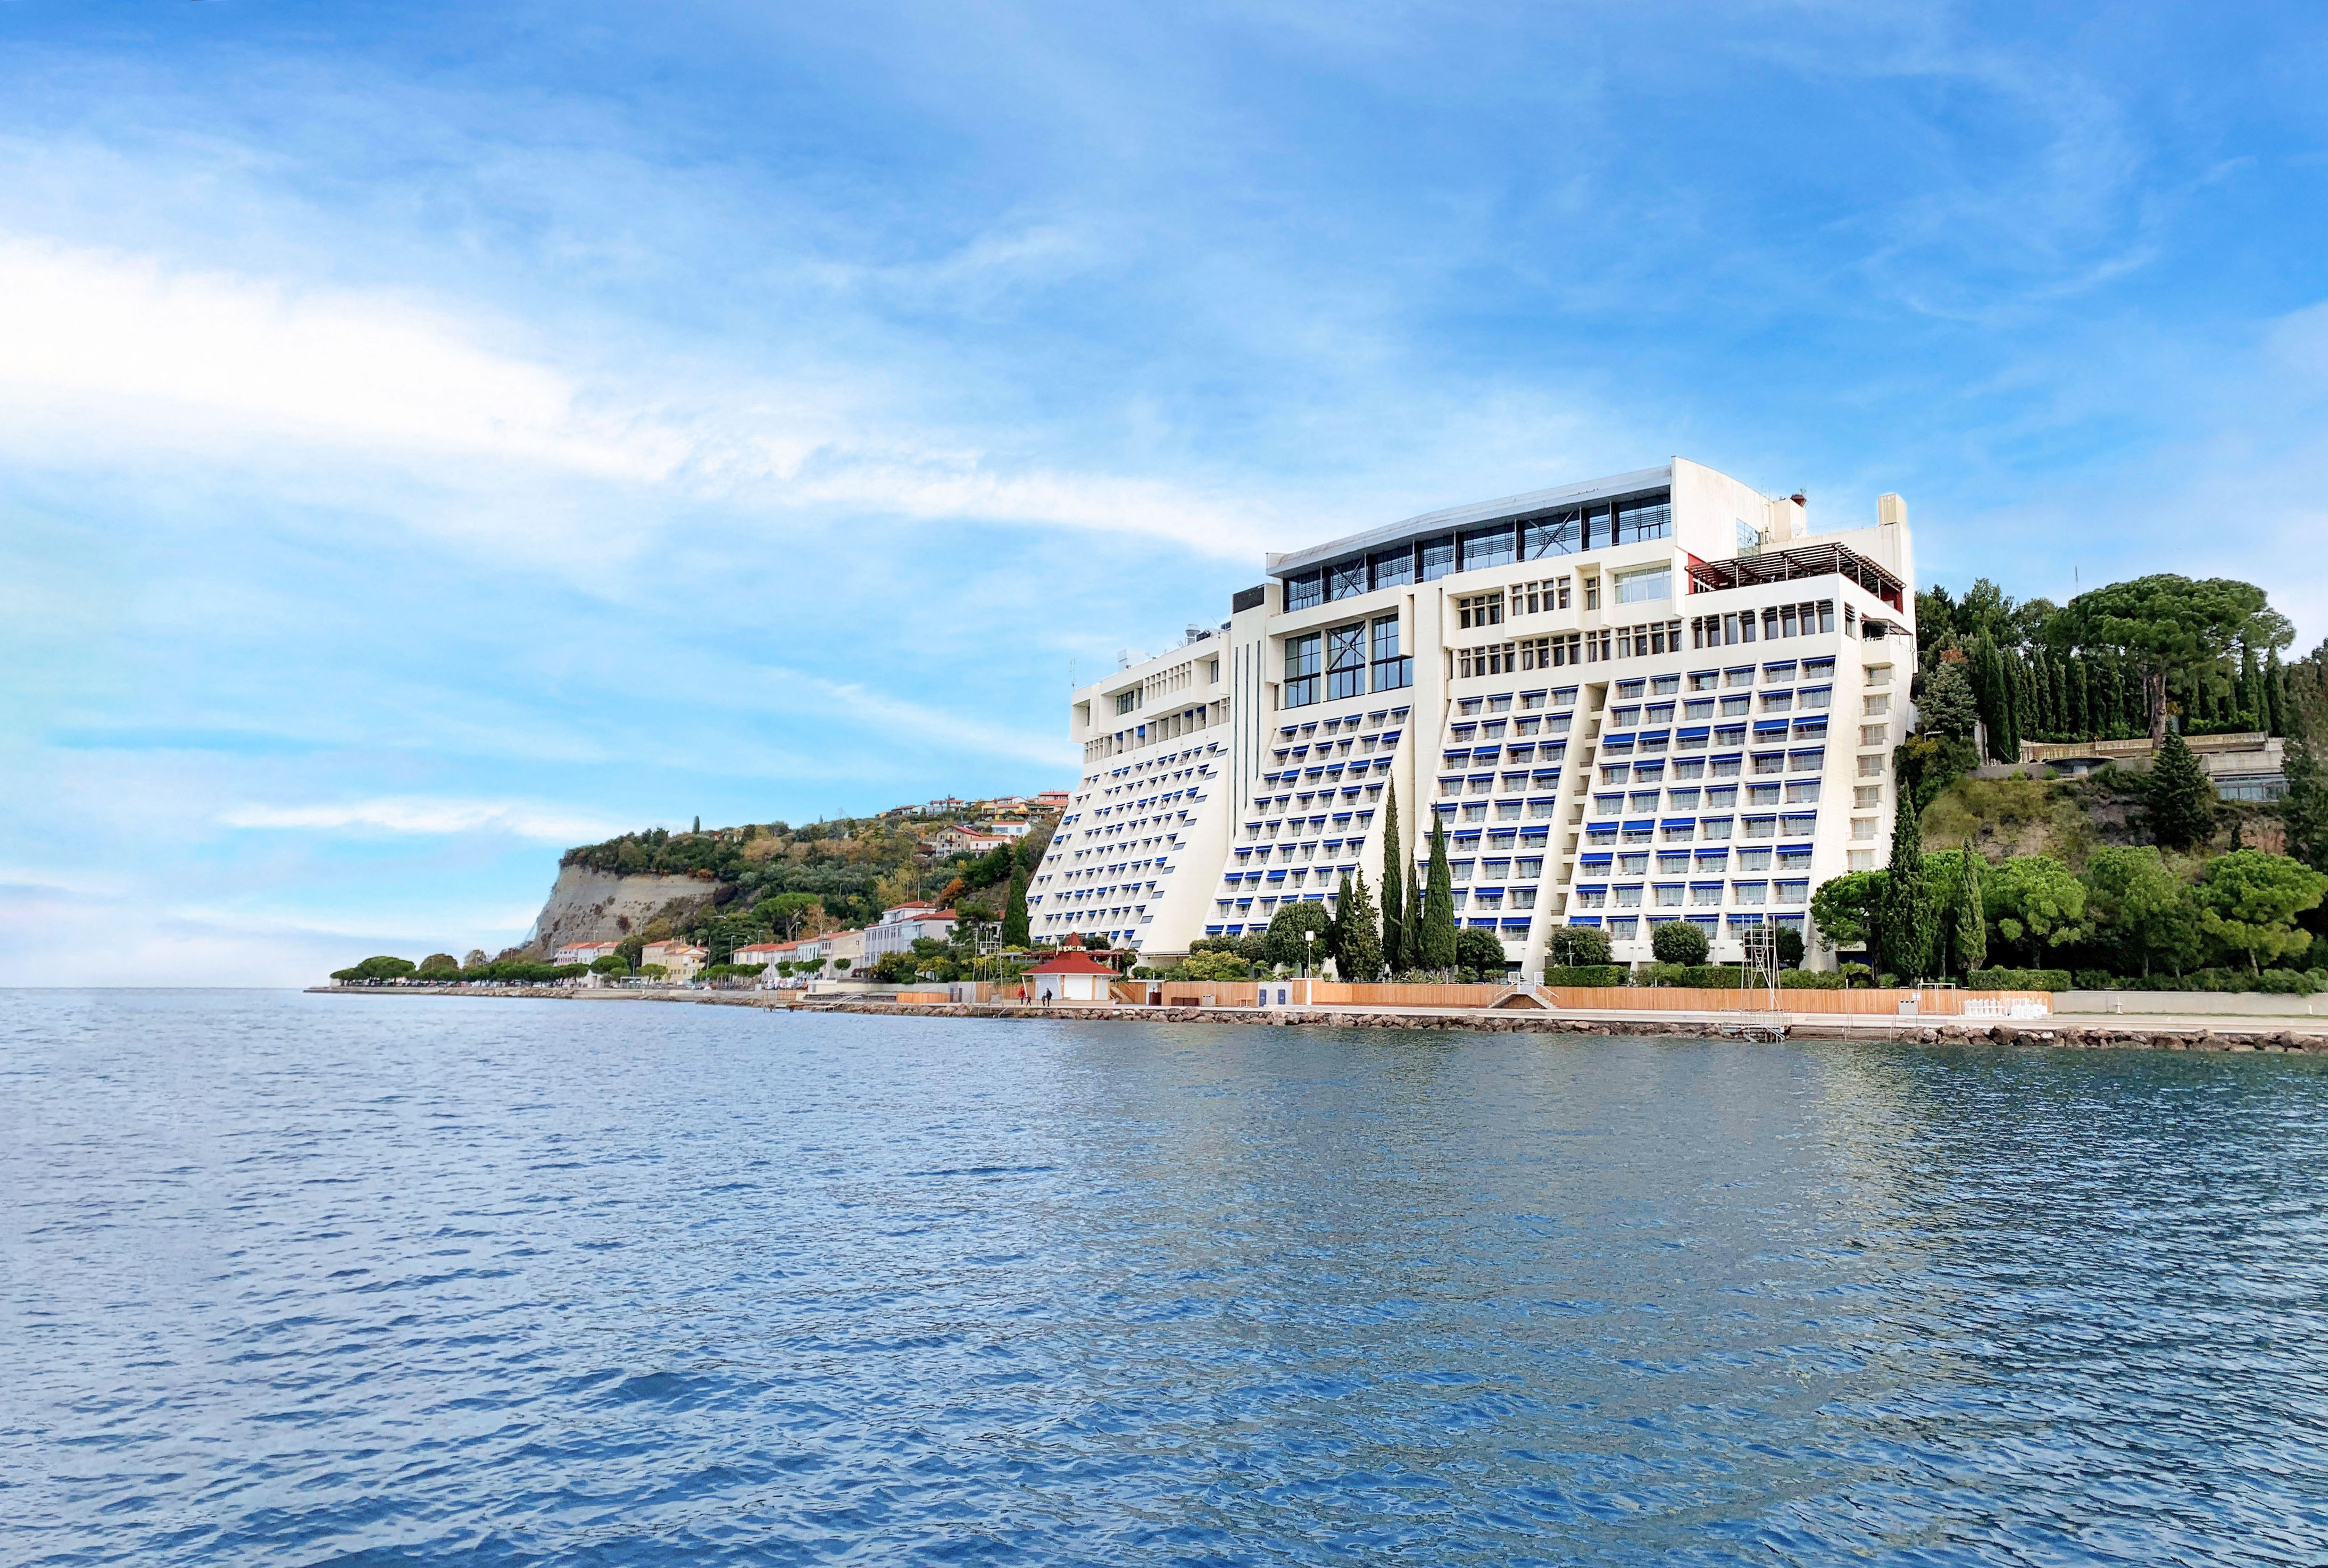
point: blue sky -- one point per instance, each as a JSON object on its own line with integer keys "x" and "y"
{"x": 430, "y": 437}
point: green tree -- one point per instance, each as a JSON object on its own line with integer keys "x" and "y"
{"x": 2249, "y": 901}
{"x": 382, "y": 966}
{"x": 1791, "y": 947}
{"x": 1576, "y": 946}
{"x": 1285, "y": 946}
{"x": 1481, "y": 952}
{"x": 1359, "y": 958}
{"x": 1948, "y": 707}
{"x": 2141, "y": 910}
{"x": 2181, "y": 799}
{"x": 1960, "y": 928}
{"x": 1843, "y": 908}
{"x": 2304, "y": 810}
{"x": 1014, "y": 912}
{"x": 1436, "y": 947}
{"x": 1394, "y": 885}
{"x": 2165, "y": 623}
{"x": 609, "y": 963}
{"x": 2037, "y": 905}
{"x": 1904, "y": 926}
{"x": 1678, "y": 941}
{"x": 440, "y": 963}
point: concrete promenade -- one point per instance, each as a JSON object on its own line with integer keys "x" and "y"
{"x": 2150, "y": 1031}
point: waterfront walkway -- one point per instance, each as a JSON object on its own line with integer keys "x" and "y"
{"x": 2147, "y": 1031}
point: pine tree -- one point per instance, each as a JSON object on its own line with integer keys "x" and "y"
{"x": 1906, "y": 929}
{"x": 1359, "y": 957}
{"x": 1438, "y": 942}
{"x": 1014, "y": 912}
{"x": 2181, "y": 799}
{"x": 1394, "y": 885}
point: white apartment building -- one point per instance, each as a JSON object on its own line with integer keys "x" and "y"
{"x": 1646, "y": 698}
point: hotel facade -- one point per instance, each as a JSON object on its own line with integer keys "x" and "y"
{"x": 1647, "y": 698}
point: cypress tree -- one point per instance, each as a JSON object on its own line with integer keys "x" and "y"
{"x": 2005, "y": 739}
{"x": 1437, "y": 935}
{"x": 1988, "y": 695}
{"x": 2048, "y": 698}
{"x": 1410, "y": 951}
{"x": 1359, "y": 956}
{"x": 2025, "y": 703}
{"x": 1014, "y": 911}
{"x": 2275, "y": 691}
{"x": 1333, "y": 940}
{"x": 2181, "y": 799}
{"x": 1906, "y": 938}
{"x": 2252, "y": 704}
{"x": 1969, "y": 941}
{"x": 1394, "y": 885}
{"x": 2134, "y": 709}
{"x": 2081, "y": 707}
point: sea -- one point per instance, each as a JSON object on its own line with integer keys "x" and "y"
{"x": 291, "y": 1279}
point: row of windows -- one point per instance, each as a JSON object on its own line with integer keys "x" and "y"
{"x": 1565, "y": 530}
{"x": 1348, "y": 653}
{"x": 1627, "y": 927}
{"x": 1709, "y": 895}
{"x": 1779, "y": 621}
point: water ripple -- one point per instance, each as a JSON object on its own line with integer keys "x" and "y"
{"x": 297, "y": 1280}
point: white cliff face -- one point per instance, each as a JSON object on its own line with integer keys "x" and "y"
{"x": 587, "y": 905}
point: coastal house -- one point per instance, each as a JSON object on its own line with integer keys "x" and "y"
{"x": 958, "y": 841}
{"x": 682, "y": 960}
{"x": 897, "y": 929}
{"x": 847, "y": 948}
{"x": 584, "y": 951}
{"x": 764, "y": 953}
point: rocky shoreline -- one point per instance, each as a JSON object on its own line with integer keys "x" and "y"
{"x": 2057, "y": 1033}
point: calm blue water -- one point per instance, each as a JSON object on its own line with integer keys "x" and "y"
{"x": 294, "y": 1280}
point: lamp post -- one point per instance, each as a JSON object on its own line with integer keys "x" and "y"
{"x": 1309, "y": 935}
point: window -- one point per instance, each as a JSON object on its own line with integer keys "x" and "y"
{"x": 1301, "y": 670}
{"x": 1878, "y": 704}
{"x": 1536, "y": 598}
{"x": 1304, "y": 590}
{"x": 1562, "y": 533}
{"x": 1867, "y": 797}
{"x": 1438, "y": 557}
{"x": 1862, "y": 860}
{"x": 1345, "y": 661}
{"x": 1480, "y": 610}
{"x": 1592, "y": 593}
{"x": 1649, "y": 583}
{"x": 1862, "y": 828}
{"x": 1644, "y": 518}
{"x": 1487, "y": 547}
{"x": 1872, "y": 734}
{"x": 1393, "y": 568}
{"x": 1871, "y": 767}
{"x": 1391, "y": 671}
{"x": 1803, "y": 792}
{"x": 1346, "y": 579}
{"x": 1125, "y": 701}
{"x": 1749, "y": 538}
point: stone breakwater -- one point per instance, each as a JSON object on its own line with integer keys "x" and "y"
{"x": 2116, "y": 1035}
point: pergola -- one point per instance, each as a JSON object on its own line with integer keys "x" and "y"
{"x": 1780, "y": 566}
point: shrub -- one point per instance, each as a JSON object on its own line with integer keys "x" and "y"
{"x": 1585, "y": 974}
{"x": 1481, "y": 950}
{"x": 2094, "y": 979}
{"x": 1856, "y": 975}
{"x": 1812, "y": 979}
{"x": 1678, "y": 941}
{"x": 2018, "y": 980}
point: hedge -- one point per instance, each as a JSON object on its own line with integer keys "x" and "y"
{"x": 2018, "y": 980}
{"x": 1586, "y": 974}
{"x": 2270, "y": 982}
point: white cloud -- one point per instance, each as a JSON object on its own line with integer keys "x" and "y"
{"x": 105, "y": 355}
{"x": 423, "y": 816}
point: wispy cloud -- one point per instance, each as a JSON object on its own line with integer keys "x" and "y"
{"x": 432, "y": 817}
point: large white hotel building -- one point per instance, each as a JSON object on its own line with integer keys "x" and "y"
{"x": 1647, "y": 698}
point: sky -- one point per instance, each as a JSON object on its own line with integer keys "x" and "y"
{"x": 432, "y": 437}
